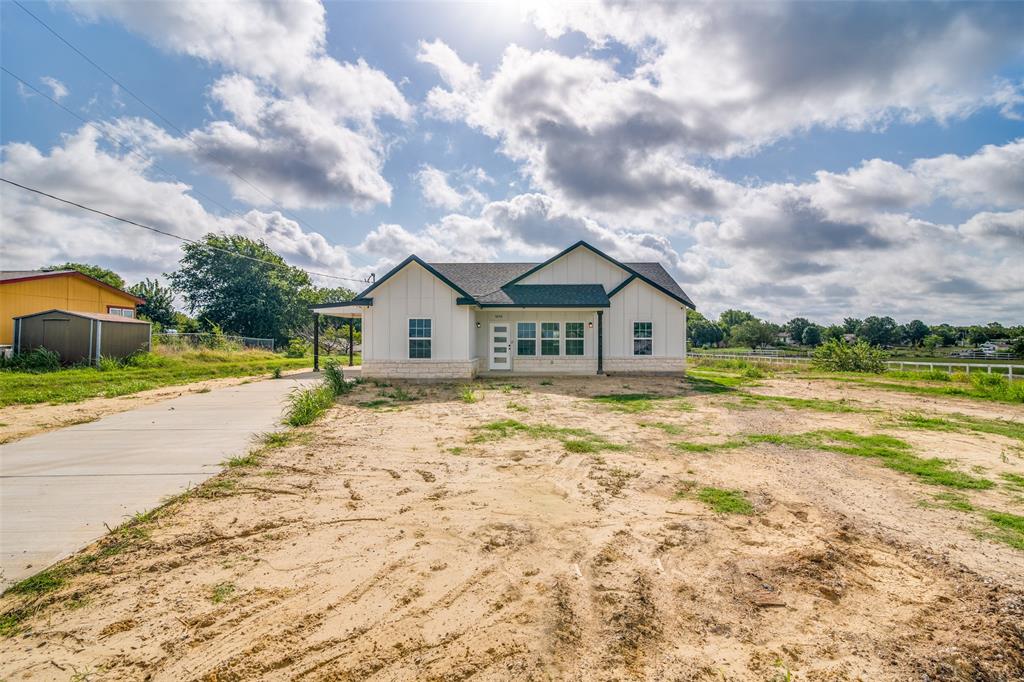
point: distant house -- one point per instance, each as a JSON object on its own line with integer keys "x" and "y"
{"x": 850, "y": 338}
{"x": 580, "y": 312}
{"x": 23, "y": 292}
{"x": 786, "y": 338}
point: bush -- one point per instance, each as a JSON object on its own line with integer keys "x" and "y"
{"x": 335, "y": 378}
{"x": 37, "y": 361}
{"x": 838, "y": 356}
{"x": 296, "y": 349}
{"x": 146, "y": 360}
{"x": 108, "y": 364}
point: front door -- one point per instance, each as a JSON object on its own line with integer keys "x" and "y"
{"x": 501, "y": 345}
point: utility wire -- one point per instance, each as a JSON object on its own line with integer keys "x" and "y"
{"x": 144, "y": 158}
{"x": 171, "y": 234}
{"x": 156, "y": 113}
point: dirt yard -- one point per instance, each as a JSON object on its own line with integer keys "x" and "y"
{"x": 684, "y": 530}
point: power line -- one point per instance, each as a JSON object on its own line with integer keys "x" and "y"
{"x": 127, "y": 148}
{"x": 163, "y": 118}
{"x": 171, "y": 234}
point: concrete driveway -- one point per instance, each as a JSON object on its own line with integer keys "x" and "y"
{"x": 58, "y": 489}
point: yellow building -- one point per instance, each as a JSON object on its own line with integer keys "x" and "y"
{"x": 23, "y": 292}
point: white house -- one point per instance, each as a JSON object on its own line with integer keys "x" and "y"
{"x": 581, "y": 312}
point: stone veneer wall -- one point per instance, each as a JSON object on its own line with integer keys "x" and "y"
{"x": 554, "y": 365}
{"x": 420, "y": 369}
{"x": 645, "y": 365}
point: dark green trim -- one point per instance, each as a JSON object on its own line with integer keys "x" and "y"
{"x": 633, "y": 273}
{"x": 622, "y": 285}
{"x": 362, "y": 302}
{"x": 426, "y": 266}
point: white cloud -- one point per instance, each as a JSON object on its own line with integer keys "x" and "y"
{"x": 38, "y": 231}
{"x": 437, "y": 190}
{"x": 57, "y": 89}
{"x": 303, "y": 125}
{"x": 993, "y": 176}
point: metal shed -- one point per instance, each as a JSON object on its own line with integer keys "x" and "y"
{"x": 81, "y": 337}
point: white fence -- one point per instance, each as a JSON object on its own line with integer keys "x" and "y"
{"x": 1011, "y": 371}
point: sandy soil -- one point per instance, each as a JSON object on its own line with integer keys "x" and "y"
{"x": 390, "y": 546}
{"x": 21, "y": 421}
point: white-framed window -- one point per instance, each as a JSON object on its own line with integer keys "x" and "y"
{"x": 123, "y": 312}
{"x": 420, "y": 338}
{"x": 550, "y": 338}
{"x": 643, "y": 338}
{"x": 526, "y": 338}
{"x": 574, "y": 338}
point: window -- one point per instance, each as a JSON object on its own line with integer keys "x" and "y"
{"x": 643, "y": 338}
{"x": 419, "y": 338}
{"x": 123, "y": 312}
{"x": 526, "y": 338}
{"x": 549, "y": 338}
{"x": 574, "y": 338}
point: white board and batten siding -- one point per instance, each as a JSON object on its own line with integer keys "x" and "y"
{"x": 579, "y": 266}
{"x": 640, "y": 302}
{"x": 414, "y": 292}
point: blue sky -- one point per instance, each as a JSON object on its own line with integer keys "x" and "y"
{"x": 822, "y": 160}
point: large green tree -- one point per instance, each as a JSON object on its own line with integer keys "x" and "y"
{"x": 159, "y": 305}
{"x": 730, "y": 318}
{"x": 242, "y": 286}
{"x": 811, "y": 335}
{"x": 701, "y": 331}
{"x": 795, "y": 328}
{"x": 915, "y": 331}
{"x": 95, "y": 271}
{"x": 753, "y": 333}
{"x": 878, "y": 331}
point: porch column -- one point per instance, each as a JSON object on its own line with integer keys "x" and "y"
{"x": 600, "y": 342}
{"x": 351, "y": 323}
{"x": 316, "y": 342}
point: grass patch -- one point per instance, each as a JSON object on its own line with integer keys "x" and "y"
{"x": 671, "y": 429}
{"x": 399, "y": 394}
{"x": 628, "y": 402}
{"x": 962, "y": 422}
{"x": 574, "y": 440}
{"x": 249, "y": 459}
{"x": 45, "y": 581}
{"x": 892, "y": 452}
{"x": 955, "y": 501}
{"x": 467, "y": 395}
{"x": 518, "y": 407}
{"x": 708, "y": 447}
{"x": 725, "y": 501}
{"x": 1013, "y": 481}
{"x": 221, "y": 592}
{"x": 147, "y": 371}
{"x": 305, "y": 405}
{"x": 707, "y": 384}
{"x": 1010, "y": 528}
{"x": 375, "y": 403}
{"x": 816, "y": 404}
{"x": 978, "y": 385}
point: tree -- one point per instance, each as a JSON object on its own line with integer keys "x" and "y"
{"x": 851, "y": 325}
{"x": 159, "y": 305}
{"x": 915, "y": 331}
{"x": 878, "y": 331}
{"x": 946, "y": 333}
{"x": 977, "y": 335}
{"x": 730, "y": 318}
{"x": 834, "y": 332}
{"x": 95, "y": 271}
{"x": 701, "y": 331}
{"x": 752, "y": 333}
{"x": 931, "y": 342}
{"x": 263, "y": 297}
{"x": 796, "y": 327}
{"x": 1017, "y": 346}
{"x": 811, "y": 335}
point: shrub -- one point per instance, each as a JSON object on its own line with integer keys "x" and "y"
{"x": 296, "y": 349}
{"x": 838, "y": 356}
{"x": 335, "y": 378}
{"x": 109, "y": 364}
{"x": 36, "y": 361}
{"x": 305, "y": 405}
{"x": 146, "y": 360}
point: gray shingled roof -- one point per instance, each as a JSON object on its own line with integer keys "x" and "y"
{"x": 21, "y": 274}
{"x": 549, "y": 295}
{"x": 486, "y": 283}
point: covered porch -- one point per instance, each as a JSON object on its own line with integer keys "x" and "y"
{"x": 339, "y": 310}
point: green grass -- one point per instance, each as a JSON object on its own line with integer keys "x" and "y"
{"x": 725, "y": 501}
{"x": 467, "y": 394}
{"x": 816, "y": 404}
{"x": 703, "y": 383}
{"x": 708, "y": 447}
{"x": 221, "y": 592}
{"x": 249, "y": 459}
{"x": 375, "y": 403}
{"x": 891, "y": 452}
{"x": 151, "y": 370}
{"x": 1013, "y": 481}
{"x": 977, "y": 385}
{"x": 45, "y": 581}
{"x": 628, "y": 402}
{"x": 305, "y": 405}
{"x": 955, "y": 501}
{"x": 671, "y": 429}
{"x": 962, "y": 422}
{"x": 518, "y": 407}
{"x": 1010, "y": 528}
{"x": 574, "y": 440}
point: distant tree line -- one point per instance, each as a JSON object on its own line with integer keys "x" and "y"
{"x": 740, "y": 328}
